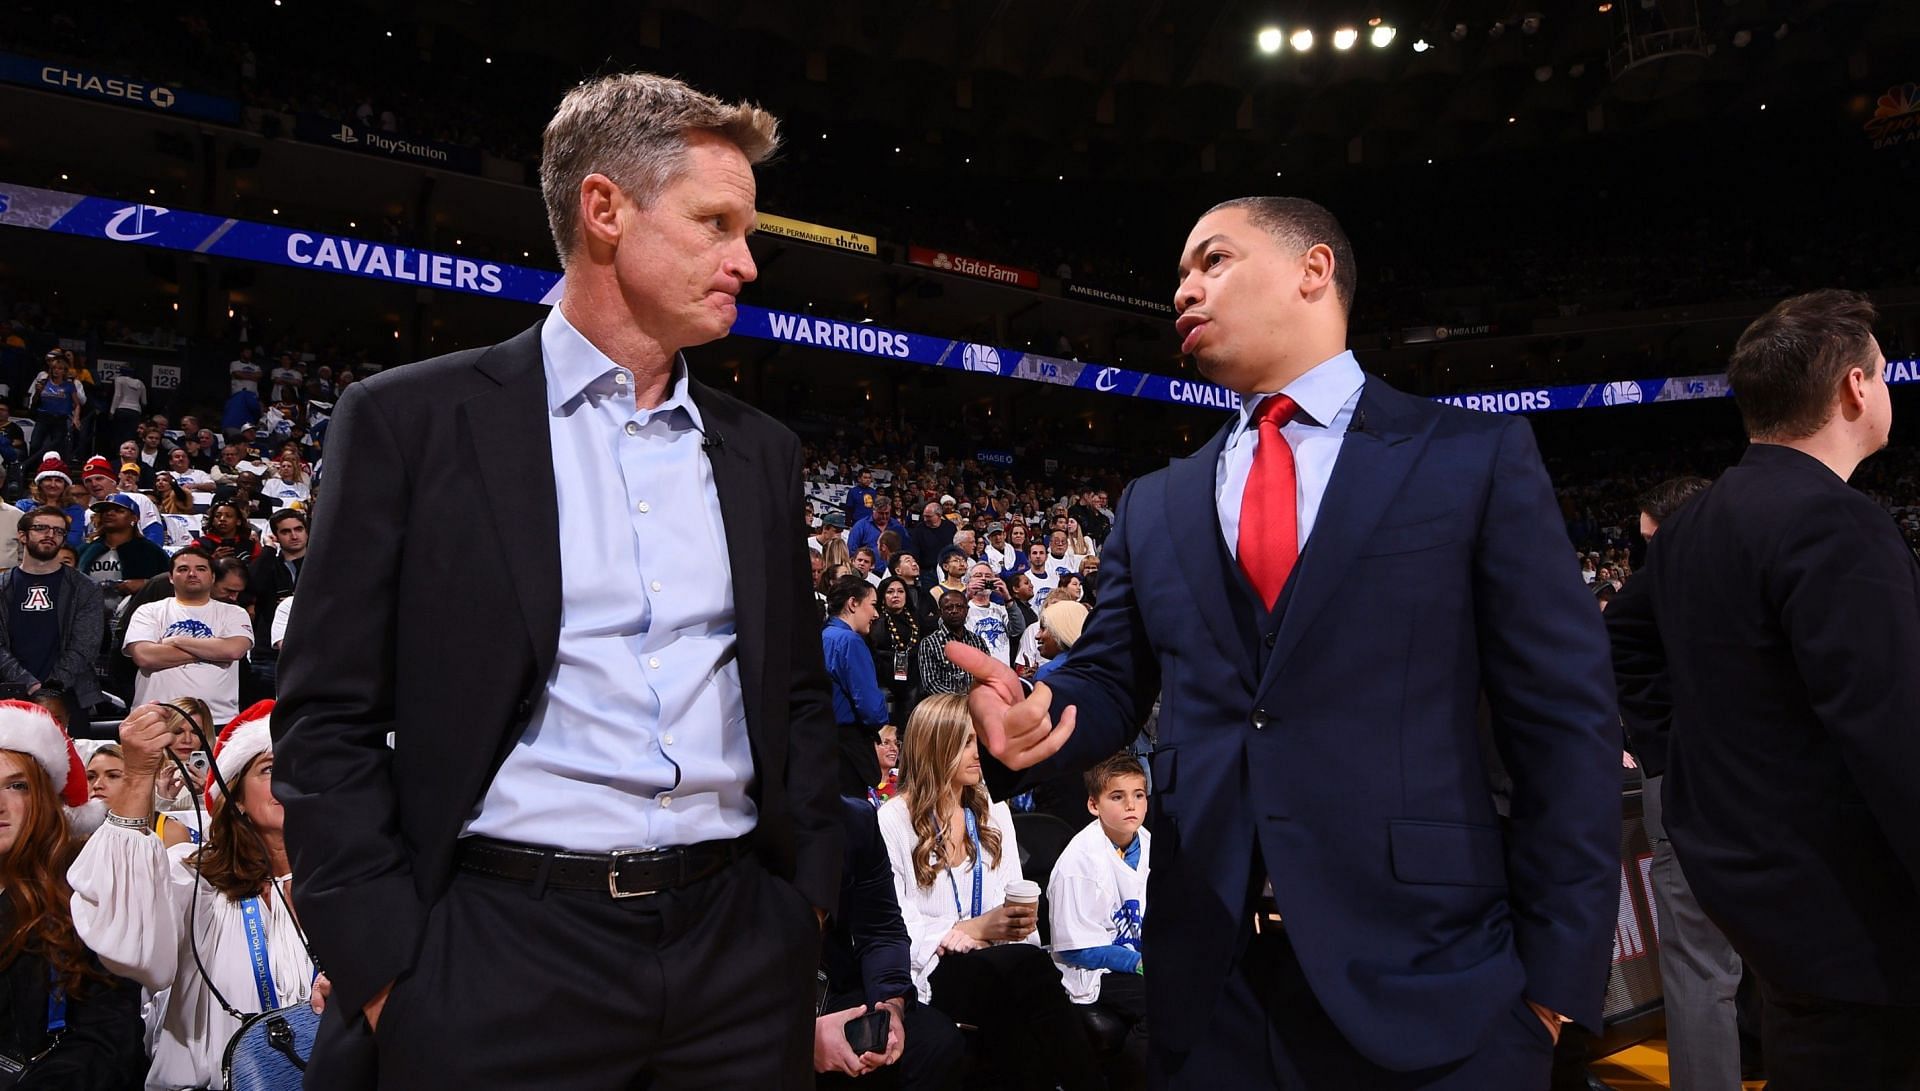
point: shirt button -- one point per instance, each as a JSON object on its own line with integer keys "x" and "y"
{"x": 645, "y": 507}
{"x": 620, "y": 377}
{"x": 1259, "y": 720}
{"x": 666, "y": 801}
{"x": 654, "y": 662}
{"x": 655, "y": 585}
{"x": 666, "y": 740}
{"x": 632, "y": 429}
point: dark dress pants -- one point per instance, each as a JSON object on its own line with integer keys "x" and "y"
{"x": 706, "y": 986}
{"x": 1269, "y": 1031}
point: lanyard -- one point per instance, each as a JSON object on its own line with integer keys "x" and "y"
{"x": 979, "y": 864}
{"x": 254, "y": 917}
{"x": 56, "y": 1005}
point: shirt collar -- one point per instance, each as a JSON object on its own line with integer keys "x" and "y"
{"x": 575, "y": 367}
{"x": 1320, "y": 393}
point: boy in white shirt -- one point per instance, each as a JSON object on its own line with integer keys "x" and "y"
{"x": 1097, "y": 895}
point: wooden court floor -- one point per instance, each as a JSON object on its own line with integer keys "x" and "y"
{"x": 1644, "y": 1068}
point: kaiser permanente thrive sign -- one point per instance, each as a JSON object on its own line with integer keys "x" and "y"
{"x": 123, "y": 90}
{"x": 817, "y": 234}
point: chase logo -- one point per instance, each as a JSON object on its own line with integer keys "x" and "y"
{"x": 982, "y": 358}
{"x": 1621, "y": 393}
{"x": 162, "y": 97}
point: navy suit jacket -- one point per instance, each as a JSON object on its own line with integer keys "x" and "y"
{"x": 1338, "y": 737}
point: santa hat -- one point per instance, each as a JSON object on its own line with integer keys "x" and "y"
{"x": 28, "y": 729}
{"x": 51, "y": 466}
{"x": 246, "y": 738}
{"x": 97, "y": 466}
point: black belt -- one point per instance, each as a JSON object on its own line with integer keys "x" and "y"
{"x": 626, "y": 873}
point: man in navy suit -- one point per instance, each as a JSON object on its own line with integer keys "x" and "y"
{"x": 1320, "y": 596}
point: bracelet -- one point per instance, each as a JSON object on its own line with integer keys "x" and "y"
{"x": 144, "y": 825}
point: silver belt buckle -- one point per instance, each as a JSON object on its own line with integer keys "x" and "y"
{"x": 613, "y": 874}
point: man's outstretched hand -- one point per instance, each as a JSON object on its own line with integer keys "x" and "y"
{"x": 1017, "y": 728}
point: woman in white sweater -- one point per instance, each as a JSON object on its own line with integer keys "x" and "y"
{"x": 976, "y": 958}
{"x": 146, "y": 908}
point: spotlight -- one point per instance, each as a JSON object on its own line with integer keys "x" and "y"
{"x": 1269, "y": 40}
{"x": 1459, "y": 32}
{"x": 1421, "y": 46}
{"x": 1374, "y": 22}
{"x": 1382, "y": 36}
{"x": 1543, "y": 73}
{"x": 1742, "y": 39}
{"x": 1345, "y": 37}
{"x": 1301, "y": 41}
{"x": 1512, "y": 120}
{"x": 1606, "y": 6}
{"x": 1763, "y": 106}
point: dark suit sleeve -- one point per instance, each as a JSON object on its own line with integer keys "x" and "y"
{"x": 1544, "y": 665}
{"x": 1849, "y": 600}
{"x": 333, "y": 770}
{"x": 871, "y": 915}
{"x": 812, "y": 756}
{"x": 1112, "y": 677}
{"x": 1640, "y": 667}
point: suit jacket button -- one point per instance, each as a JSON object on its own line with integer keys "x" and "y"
{"x": 1260, "y": 719}
{"x": 1272, "y": 639}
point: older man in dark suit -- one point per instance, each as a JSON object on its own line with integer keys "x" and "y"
{"x": 600, "y": 845}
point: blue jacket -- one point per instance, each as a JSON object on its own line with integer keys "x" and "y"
{"x": 857, "y": 698}
{"x": 243, "y": 408}
{"x": 864, "y": 533}
{"x": 1339, "y": 736}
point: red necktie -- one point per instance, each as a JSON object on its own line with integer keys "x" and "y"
{"x": 1269, "y": 511}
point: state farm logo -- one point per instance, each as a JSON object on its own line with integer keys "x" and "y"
{"x": 941, "y": 261}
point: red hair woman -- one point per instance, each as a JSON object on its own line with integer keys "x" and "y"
{"x": 64, "y": 1021}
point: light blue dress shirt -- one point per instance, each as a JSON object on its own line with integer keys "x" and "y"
{"x": 1327, "y": 395}
{"x": 640, "y": 739}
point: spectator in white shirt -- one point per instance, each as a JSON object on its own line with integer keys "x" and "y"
{"x": 986, "y": 618}
{"x": 190, "y": 645}
{"x": 974, "y": 957}
{"x": 180, "y": 465}
{"x": 243, "y": 373}
{"x": 129, "y": 401}
{"x": 998, "y": 552}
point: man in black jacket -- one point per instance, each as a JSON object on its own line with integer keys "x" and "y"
{"x": 51, "y": 617}
{"x": 599, "y": 848}
{"x": 867, "y": 959}
{"x": 1785, "y": 608}
{"x": 1699, "y": 971}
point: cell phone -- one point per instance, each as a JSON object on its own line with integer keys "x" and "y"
{"x": 197, "y": 761}
{"x": 868, "y": 1033}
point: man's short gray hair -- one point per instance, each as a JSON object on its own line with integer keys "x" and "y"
{"x": 632, "y": 127}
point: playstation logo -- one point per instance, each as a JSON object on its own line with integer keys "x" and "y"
{"x": 346, "y": 135}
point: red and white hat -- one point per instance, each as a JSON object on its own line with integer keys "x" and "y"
{"x": 28, "y": 729}
{"x": 51, "y": 466}
{"x": 98, "y": 466}
{"x": 246, "y": 738}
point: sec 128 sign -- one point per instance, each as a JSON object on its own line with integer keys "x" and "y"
{"x": 165, "y": 377}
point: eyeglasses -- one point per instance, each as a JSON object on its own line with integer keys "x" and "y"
{"x": 46, "y": 530}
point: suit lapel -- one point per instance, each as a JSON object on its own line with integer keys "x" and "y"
{"x": 1193, "y": 521}
{"x": 739, "y": 480}
{"x": 507, "y": 438}
{"x": 1374, "y": 459}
